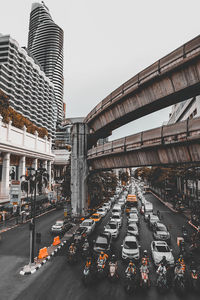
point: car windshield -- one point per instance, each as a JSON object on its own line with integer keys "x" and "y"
{"x": 115, "y": 217}
{"x": 59, "y": 223}
{"x": 111, "y": 226}
{"x": 101, "y": 240}
{"x": 95, "y": 217}
{"x": 132, "y": 228}
{"x": 130, "y": 245}
{"x": 100, "y": 209}
{"x": 87, "y": 224}
{"x": 162, "y": 248}
{"x": 152, "y": 217}
{"x": 133, "y": 216}
{"x": 161, "y": 228}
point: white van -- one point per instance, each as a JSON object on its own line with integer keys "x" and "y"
{"x": 148, "y": 207}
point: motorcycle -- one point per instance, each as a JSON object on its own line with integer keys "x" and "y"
{"x": 162, "y": 282}
{"x": 85, "y": 251}
{"x": 194, "y": 280}
{"x": 130, "y": 285}
{"x": 86, "y": 275}
{"x": 144, "y": 280}
{"x": 71, "y": 257}
{"x": 185, "y": 234}
{"x": 101, "y": 268}
{"x": 179, "y": 283}
{"x": 113, "y": 271}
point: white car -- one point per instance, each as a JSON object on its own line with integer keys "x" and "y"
{"x": 133, "y": 230}
{"x": 116, "y": 217}
{"x": 113, "y": 228}
{"x": 89, "y": 224}
{"x": 160, "y": 249}
{"x": 133, "y": 218}
{"x": 133, "y": 210}
{"x": 102, "y": 211}
{"x": 107, "y": 205}
{"x": 130, "y": 248}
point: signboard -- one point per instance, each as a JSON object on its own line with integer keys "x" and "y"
{"x": 15, "y": 192}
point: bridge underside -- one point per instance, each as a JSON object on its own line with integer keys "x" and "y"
{"x": 170, "y": 80}
{"x": 173, "y": 154}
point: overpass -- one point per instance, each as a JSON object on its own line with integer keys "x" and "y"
{"x": 170, "y": 80}
{"x": 167, "y": 145}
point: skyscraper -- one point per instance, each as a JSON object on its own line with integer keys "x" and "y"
{"x": 45, "y": 43}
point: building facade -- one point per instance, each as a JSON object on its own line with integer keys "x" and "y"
{"x": 30, "y": 91}
{"x": 45, "y": 43}
{"x": 20, "y": 150}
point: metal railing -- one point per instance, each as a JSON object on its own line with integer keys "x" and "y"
{"x": 182, "y": 54}
{"x": 187, "y": 130}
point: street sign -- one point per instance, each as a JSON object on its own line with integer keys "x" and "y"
{"x": 15, "y": 192}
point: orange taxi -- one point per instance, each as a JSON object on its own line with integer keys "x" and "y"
{"x": 96, "y": 217}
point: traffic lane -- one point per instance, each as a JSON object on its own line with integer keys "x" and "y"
{"x": 63, "y": 281}
{"x": 173, "y": 220}
{"x": 14, "y": 253}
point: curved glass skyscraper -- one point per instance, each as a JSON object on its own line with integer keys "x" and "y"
{"x": 45, "y": 44}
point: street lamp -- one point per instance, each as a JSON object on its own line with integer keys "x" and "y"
{"x": 36, "y": 179}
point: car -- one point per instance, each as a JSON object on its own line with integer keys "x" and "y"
{"x": 96, "y": 217}
{"x": 60, "y": 227}
{"x": 113, "y": 228}
{"x": 130, "y": 248}
{"x": 107, "y": 205}
{"x": 133, "y": 230}
{"x": 102, "y": 211}
{"x": 133, "y": 218}
{"x": 152, "y": 219}
{"x": 103, "y": 242}
{"x": 148, "y": 207}
{"x": 116, "y": 217}
{"x": 133, "y": 210}
{"x": 121, "y": 202}
{"x": 160, "y": 232}
{"x": 89, "y": 224}
{"x": 160, "y": 249}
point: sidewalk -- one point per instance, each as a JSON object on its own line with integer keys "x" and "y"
{"x": 52, "y": 250}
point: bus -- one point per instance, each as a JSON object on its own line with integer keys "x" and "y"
{"x": 131, "y": 201}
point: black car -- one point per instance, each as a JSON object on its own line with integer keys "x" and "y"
{"x": 103, "y": 243}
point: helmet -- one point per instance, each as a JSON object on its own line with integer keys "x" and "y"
{"x": 145, "y": 252}
{"x": 164, "y": 257}
{"x": 72, "y": 244}
{"x": 102, "y": 252}
{"x": 113, "y": 256}
{"x": 181, "y": 256}
{"x": 131, "y": 262}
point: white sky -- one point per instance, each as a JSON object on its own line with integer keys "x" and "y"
{"x": 107, "y": 42}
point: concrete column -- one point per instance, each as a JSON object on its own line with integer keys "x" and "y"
{"x": 1, "y": 123}
{"x": 79, "y": 169}
{"x": 49, "y": 172}
{"x": 44, "y": 165}
{"x": 22, "y": 167}
{"x": 35, "y": 164}
{"x": 5, "y": 176}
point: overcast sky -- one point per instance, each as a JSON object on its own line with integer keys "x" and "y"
{"x": 107, "y": 42}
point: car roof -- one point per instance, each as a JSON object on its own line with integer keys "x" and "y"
{"x": 130, "y": 238}
{"x": 87, "y": 220}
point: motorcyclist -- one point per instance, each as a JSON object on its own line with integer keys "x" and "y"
{"x": 131, "y": 269}
{"x": 144, "y": 269}
{"x": 86, "y": 244}
{"x": 103, "y": 256}
{"x": 113, "y": 260}
{"x": 162, "y": 270}
{"x": 178, "y": 270}
{"x": 145, "y": 258}
{"x": 164, "y": 261}
{"x": 72, "y": 248}
{"x": 88, "y": 262}
{"x": 181, "y": 262}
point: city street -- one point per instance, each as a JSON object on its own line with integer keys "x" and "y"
{"x": 14, "y": 253}
{"x": 59, "y": 280}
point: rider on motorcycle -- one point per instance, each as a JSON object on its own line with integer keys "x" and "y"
{"x": 102, "y": 257}
{"x": 72, "y": 248}
{"x": 113, "y": 260}
{"x": 179, "y": 270}
{"x": 144, "y": 269}
{"x": 181, "y": 262}
{"x": 88, "y": 262}
{"x": 145, "y": 258}
{"x": 131, "y": 269}
{"x": 164, "y": 261}
{"x": 161, "y": 271}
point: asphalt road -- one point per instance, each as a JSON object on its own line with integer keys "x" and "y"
{"x": 14, "y": 253}
{"x": 58, "y": 280}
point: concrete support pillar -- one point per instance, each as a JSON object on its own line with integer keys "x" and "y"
{"x": 22, "y": 167}
{"x": 49, "y": 172}
{"x": 35, "y": 164}
{"x": 44, "y": 165}
{"x": 79, "y": 169}
{"x": 5, "y": 177}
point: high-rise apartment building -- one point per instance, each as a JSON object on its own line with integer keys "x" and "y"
{"x": 45, "y": 43}
{"x": 30, "y": 91}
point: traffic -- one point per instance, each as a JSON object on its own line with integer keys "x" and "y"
{"x": 106, "y": 251}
